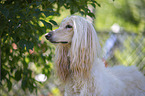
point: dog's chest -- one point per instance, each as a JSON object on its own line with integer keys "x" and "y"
{"x": 74, "y": 87}
{"x": 79, "y": 88}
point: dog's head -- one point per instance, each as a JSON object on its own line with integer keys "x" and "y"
{"x": 63, "y": 34}
{"x": 77, "y": 31}
{"x": 84, "y": 44}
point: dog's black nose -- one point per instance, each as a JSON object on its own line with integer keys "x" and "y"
{"x": 48, "y": 35}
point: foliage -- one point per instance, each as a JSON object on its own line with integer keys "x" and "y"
{"x": 129, "y": 14}
{"x": 22, "y": 24}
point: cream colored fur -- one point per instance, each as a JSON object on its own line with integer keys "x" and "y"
{"x": 79, "y": 65}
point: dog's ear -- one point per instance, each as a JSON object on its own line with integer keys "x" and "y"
{"x": 62, "y": 62}
{"x": 85, "y": 48}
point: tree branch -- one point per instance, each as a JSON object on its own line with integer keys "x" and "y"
{"x": 0, "y": 61}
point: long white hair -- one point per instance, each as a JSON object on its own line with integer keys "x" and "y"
{"x": 77, "y": 57}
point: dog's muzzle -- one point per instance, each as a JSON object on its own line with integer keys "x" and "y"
{"x": 48, "y": 36}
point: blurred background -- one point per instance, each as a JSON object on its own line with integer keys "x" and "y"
{"x": 26, "y": 57}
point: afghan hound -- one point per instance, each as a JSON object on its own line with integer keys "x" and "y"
{"x": 80, "y": 67}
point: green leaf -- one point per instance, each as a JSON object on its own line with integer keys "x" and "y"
{"x": 18, "y": 75}
{"x": 86, "y": 10}
{"x": 91, "y": 14}
{"x": 46, "y": 72}
{"x": 29, "y": 45}
{"x": 97, "y": 3}
{"x": 48, "y": 13}
{"x": 9, "y": 85}
{"x": 22, "y": 43}
{"x": 93, "y": 4}
{"x": 74, "y": 9}
{"x": 50, "y": 57}
{"x": 24, "y": 84}
{"x": 82, "y": 13}
{"x": 53, "y": 22}
{"x": 31, "y": 87}
{"x": 5, "y": 38}
{"x": 4, "y": 73}
{"x": 48, "y": 25}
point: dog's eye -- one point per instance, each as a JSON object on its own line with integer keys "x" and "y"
{"x": 68, "y": 26}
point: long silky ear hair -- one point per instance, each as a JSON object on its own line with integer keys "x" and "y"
{"x": 62, "y": 62}
{"x": 85, "y": 47}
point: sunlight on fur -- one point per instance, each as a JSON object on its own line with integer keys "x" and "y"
{"x": 80, "y": 67}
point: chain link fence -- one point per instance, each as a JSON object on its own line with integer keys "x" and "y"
{"x": 123, "y": 48}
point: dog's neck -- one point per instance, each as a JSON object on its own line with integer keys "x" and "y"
{"x": 66, "y": 69}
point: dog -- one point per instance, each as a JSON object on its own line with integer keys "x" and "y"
{"x": 80, "y": 67}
